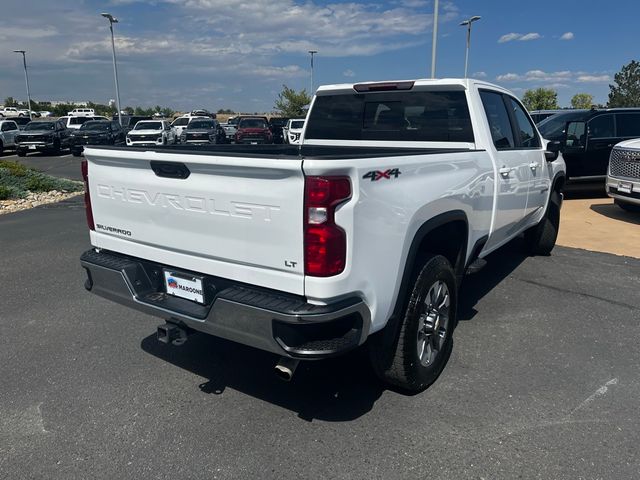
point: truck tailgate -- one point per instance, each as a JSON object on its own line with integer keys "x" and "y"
{"x": 233, "y": 216}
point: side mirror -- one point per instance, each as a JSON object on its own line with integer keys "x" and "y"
{"x": 553, "y": 150}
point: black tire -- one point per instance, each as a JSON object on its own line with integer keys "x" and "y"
{"x": 1, "y": 147}
{"x": 628, "y": 207}
{"x": 75, "y": 153}
{"x": 541, "y": 238}
{"x": 395, "y": 352}
{"x": 21, "y": 153}
{"x": 56, "y": 148}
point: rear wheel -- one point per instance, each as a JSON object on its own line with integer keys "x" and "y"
{"x": 413, "y": 358}
{"x": 629, "y": 207}
{"x": 541, "y": 238}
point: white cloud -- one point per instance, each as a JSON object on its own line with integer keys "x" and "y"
{"x": 594, "y": 78}
{"x": 479, "y": 75}
{"x": 567, "y": 36}
{"x": 530, "y": 36}
{"x": 349, "y": 73}
{"x": 509, "y": 37}
{"x": 508, "y": 77}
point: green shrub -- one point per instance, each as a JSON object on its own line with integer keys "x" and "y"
{"x": 16, "y": 181}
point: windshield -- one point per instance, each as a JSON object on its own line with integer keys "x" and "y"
{"x": 297, "y": 124}
{"x": 180, "y": 122}
{"x": 200, "y": 124}
{"x": 553, "y": 127}
{"x": 78, "y": 120}
{"x": 148, "y": 126}
{"x": 278, "y": 122}
{"x": 252, "y": 123}
{"x": 95, "y": 125}
{"x": 40, "y": 126}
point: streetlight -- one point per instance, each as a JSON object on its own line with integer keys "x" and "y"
{"x": 113, "y": 20}
{"x": 26, "y": 77}
{"x": 312, "y": 52}
{"x": 468, "y": 23}
{"x": 434, "y": 40}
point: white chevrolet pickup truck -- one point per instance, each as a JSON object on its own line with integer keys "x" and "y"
{"x": 362, "y": 233}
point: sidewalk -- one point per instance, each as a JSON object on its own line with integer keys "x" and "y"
{"x": 598, "y": 225}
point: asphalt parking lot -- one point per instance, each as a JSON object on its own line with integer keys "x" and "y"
{"x": 543, "y": 381}
{"x": 64, "y": 165}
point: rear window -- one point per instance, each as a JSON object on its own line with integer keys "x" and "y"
{"x": 441, "y": 116}
{"x": 628, "y": 124}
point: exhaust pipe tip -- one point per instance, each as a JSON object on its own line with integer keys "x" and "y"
{"x": 285, "y": 368}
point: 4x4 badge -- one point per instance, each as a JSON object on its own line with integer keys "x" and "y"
{"x": 376, "y": 175}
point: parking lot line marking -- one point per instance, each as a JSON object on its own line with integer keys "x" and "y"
{"x": 67, "y": 155}
{"x": 8, "y": 156}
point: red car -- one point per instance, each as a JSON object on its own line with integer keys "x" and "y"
{"x": 253, "y": 130}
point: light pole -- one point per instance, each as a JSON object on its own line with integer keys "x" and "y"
{"x": 26, "y": 77}
{"x": 434, "y": 40}
{"x": 113, "y": 20}
{"x": 468, "y": 23}
{"x": 312, "y": 52}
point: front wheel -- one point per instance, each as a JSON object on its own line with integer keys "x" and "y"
{"x": 628, "y": 207}
{"x": 541, "y": 238}
{"x": 21, "y": 153}
{"x": 413, "y": 357}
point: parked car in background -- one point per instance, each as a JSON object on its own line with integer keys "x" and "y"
{"x": 8, "y": 131}
{"x": 230, "y": 131}
{"x": 25, "y": 113}
{"x": 43, "y": 136}
{"x": 293, "y": 130}
{"x": 538, "y": 115}
{"x": 10, "y": 112}
{"x": 151, "y": 132}
{"x": 45, "y": 113}
{"x": 202, "y": 131}
{"x": 74, "y": 122}
{"x": 82, "y": 112}
{"x": 253, "y": 130}
{"x": 96, "y": 132}
{"x": 588, "y": 136}
{"x": 181, "y": 123}
{"x": 277, "y": 124}
{"x": 21, "y": 121}
{"x": 129, "y": 121}
{"x": 202, "y": 113}
{"x": 623, "y": 175}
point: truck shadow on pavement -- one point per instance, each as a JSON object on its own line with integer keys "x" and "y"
{"x": 334, "y": 390}
{"x": 500, "y": 264}
{"x": 614, "y": 212}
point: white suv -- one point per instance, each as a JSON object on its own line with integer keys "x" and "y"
{"x": 82, "y": 112}
{"x": 151, "y": 132}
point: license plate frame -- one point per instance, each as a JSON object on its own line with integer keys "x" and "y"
{"x": 184, "y": 285}
{"x": 625, "y": 187}
{"x": 32, "y": 147}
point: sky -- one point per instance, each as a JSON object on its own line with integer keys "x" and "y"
{"x": 237, "y": 54}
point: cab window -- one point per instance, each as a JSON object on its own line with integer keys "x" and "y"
{"x": 526, "y": 132}
{"x": 628, "y": 124}
{"x": 498, "y": 118}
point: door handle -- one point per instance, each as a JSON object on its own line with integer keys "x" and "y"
{"x": 505, "y": 171}
{"x": 533, "y": 165}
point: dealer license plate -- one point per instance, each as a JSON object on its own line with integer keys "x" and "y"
{"x": 625, "y": 187}
{"x": 184, "y": 285}
{"x": 32, "y": 147}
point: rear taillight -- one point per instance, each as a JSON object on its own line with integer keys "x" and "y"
{"x": 325, "y": 243}
{"x": 87, "y": 196}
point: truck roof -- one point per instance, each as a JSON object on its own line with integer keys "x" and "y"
{"x": 418, "y": 84}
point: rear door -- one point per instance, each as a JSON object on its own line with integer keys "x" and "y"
{"x": 514, "y": 173}
{"x": 601, "y": 138}
{"x": 231, "y": 216}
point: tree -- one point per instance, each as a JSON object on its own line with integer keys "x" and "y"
{"x": 626, "y": 91}
{"x": 540, "y": 99}
{"x": 581, "y": 100}
{"x": 290, "y": 103}
{"x": 10, "y": 102}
